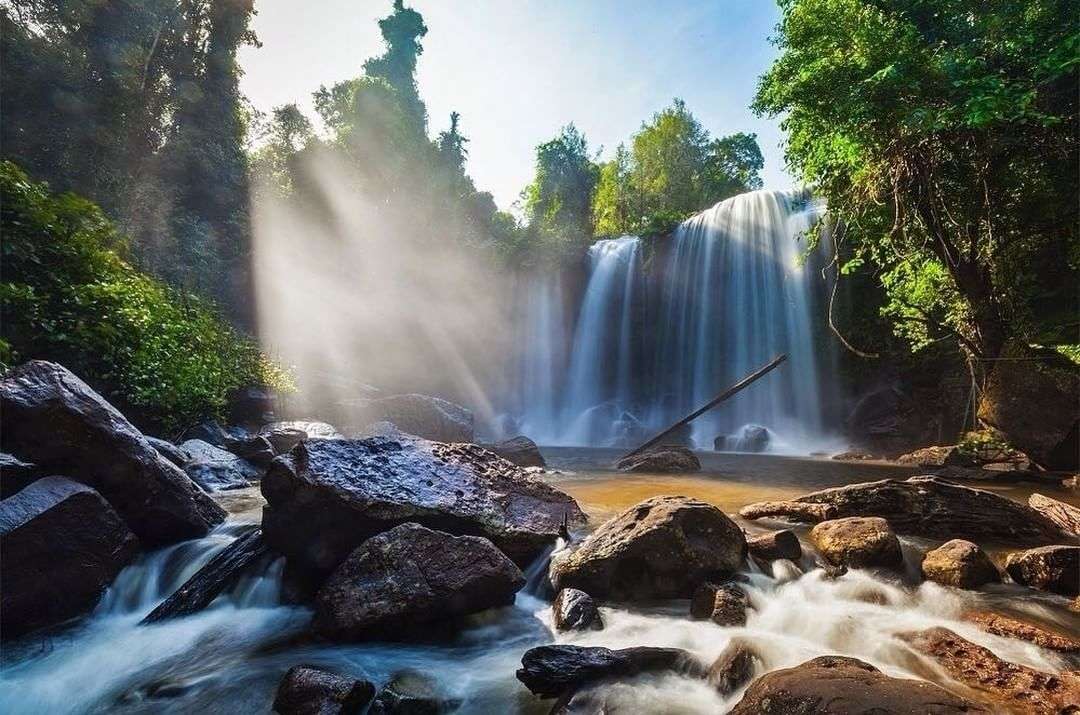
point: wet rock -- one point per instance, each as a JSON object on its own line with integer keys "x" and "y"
{"x": 552, "y": 670}
{"x": 215, "y": 469}
{"x": 283, "y": 436}
{"x": 774, "y": 545}
{"x": 51, "y": 417}
{"x": 411, "y": 693}
{"x": 169, "y": 451}
{"x": 724, "y": 605}
{"x": 925, "y": 506}
{"x": 358, "y": 488}
{"x": 734, "y": 667}
{"x": 853, "y": 455}
{"x": 798, "y": 511}
{"x": 1050, "y": 568}
{"x": 1008, "y": 627}
{"x": 255, "y": 449}
{"x": 520, "y": 450}
{"x": 999, "y": 684}
{"x": 61, "y": 545}
{"x": 835, "y": 684}
{"x": 16, "y": 474}
{"x": 252, "y": 405}
{"x": 575, "y": 610}
{"x": 1064, "y": 515}
{"x": 399, "y": 581}
{"x": 751, "y": 438}
{"x": 960, "y": 564}
{"x": 664, "y": 547}
{"x": 422, "y": 415}
{"x": 666, "y": 459}
{"x": 858, "y": 543}
{"x": 307, "y": 690}
{"x": 210, "y": 432}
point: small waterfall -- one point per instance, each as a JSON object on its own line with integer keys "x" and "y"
{"x": 543, "y": 359}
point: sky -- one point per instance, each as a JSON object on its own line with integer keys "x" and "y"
{"x": 518, "y": 70}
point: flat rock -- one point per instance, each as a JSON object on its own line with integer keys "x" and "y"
{"x": 960, "y": 564}
{"x": 216, "y": 469}
{"x": 775, "y": 545}
{"x": 61, "y": 545}
{"x": 520, "y": 450}
{"x": 835, "y": 685}
{"x": 327, "y": 496}
{"x": 575, "y": 610}
{"x": 858, "y": 542}
{"x": 307, "y": 690}
{"x": 723, "y": 604}
{"x": 399, "y": 581}
{"x": 1049, "y": 568}
{"x": 553, "y": 670}
{"x": 51, "y": 417}
{"x": 788, "y": 509}
{"x": 1002, "y": 686}
{"x": 927, "y": 506}
{"x": 937, "y": 456}
{"x": 667, "y": 459}
{"x": 1064, "y": 515}
{"x": 1009, "y": 627}
{"x": 664, "y": 547}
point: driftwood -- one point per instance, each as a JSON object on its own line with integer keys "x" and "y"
{"x": 738, "y": 386}
{"x": 1064, "y": 515}
{"x": 218, "y": 574}
{"x": 796, "y": 510}
{"x": 926, "y": 506}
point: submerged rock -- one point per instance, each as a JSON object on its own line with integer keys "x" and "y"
{"x": 858, "y": 543}
{"x": 835, "y": 684}
{"x": 520, "y": 450}
{"x": 666, "y": 459}
{"x": 53, "y": 418}
{"x": 552, "y": 670}
{"x": 411, "y": 693}
{"x": 664, "y": 547}
{"x": 61, "y": 545}
{"x": 960, "y": 564}
{"x": 575, "y": 610}
{"x": 923, "y": 506}
{"x": 1050, "y": 568}
{"x": 775, "y": 545}
{"x": 326, "y": 497}
{"x": 410, "y": 576}
{"x": 215, "y": 469}
{"x": 307, "y": 690}
{"x": 724, "y": 604}
{"x": 422, "y": 415}
{"x": 734, "y": 667}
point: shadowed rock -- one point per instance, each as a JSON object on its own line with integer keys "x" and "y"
{"x": 1049, "y": 568}
{"x": 216, "y": 469}
{"x": 16, "y": 474}
{"x": 960, "y": 564}
{"x": 724, "y": 605}
{"x": 520, "y": 450}
{"x": 774, "y": 545}
{"x": 307, "y": 690}
{"x": 169, "y": 451}
{"x": 858, "y": 542}
{"x": 411, "y": 693}
{"x": 665, "y": 459}
{"x": 734, "y": 667}
{"x": 552, "y": 670}
{"x": 575, "y": 610}
{"x": 421, "y": 415}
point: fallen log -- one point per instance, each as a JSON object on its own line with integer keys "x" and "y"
{"x": 1064, "y": 515}
{"x": 798, "y": 511}
{"x": 220, "y": 573}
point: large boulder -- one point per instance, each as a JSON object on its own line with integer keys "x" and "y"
{"x": 1064, "y": 515}
{"x": 326, "y": 497}
{"x": 960, "y": 564}
{"x": 575, "y": 610}
{"x": 61, "y": 545}
{"x": 553, "y": 670}
{"x": 1035, "y": 405}
{"x": 520, "y": 450}
{"x": 252, "y": 405}
{"x": 307, "y": 690}
{"x": 1049, "y": 568}
{"x": 666, "y": 459}
{"x": 400, "y": 581}
{"x": 923, "y": 506}
{"x": 664, "y": 547}
{"x": 215, "y": 469}
{"x": 858, "y": 542}
{"x": 1002, "y": 686}
{"x": 51, "y": 417}
{"x": 837, "y": 685}
{"x": 422, "y": 415}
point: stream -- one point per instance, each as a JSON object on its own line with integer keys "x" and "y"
{"x": 229, "y": 658}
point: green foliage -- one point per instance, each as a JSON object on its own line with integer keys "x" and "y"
{"x": 942, "y": 134}
{"x": 557, "y": 201}
{"x": 68, "y": 295}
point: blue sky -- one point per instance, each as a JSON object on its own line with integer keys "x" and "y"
{"x": 517, "y": 70}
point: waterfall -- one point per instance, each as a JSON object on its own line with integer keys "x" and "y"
{"x": 543, "y": 358}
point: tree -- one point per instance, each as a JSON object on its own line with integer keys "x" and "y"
{"x": 557, "y": 202}
{"x": 733, "y": 165}
{"x": 402, "y": 32}
{"x": 942, "y": 133}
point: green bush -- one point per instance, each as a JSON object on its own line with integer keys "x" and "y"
{"x": 68, "y": 295}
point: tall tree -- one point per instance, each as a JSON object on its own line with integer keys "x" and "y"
{"x": 557, "y": 203}
{"x": 402, "y": 32}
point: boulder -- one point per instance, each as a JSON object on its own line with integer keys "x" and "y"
{"x": 665, "y": 459}
{"x": 252, "y": 405}
{"x": 1064, "y": 515}
{"x": 924, "y": 506}
{"x": 285, "y": 435}
{"x": 215, "y": 469}
{"x": 210, "y": 432}
{"x": 838, "y": 685}
{"x": 16, "y": 474}
{"x": 999, "y": 684}
{"x": 935, "y": 457}
{"x": 422, "y": 415}
{"x": 1035, "y": 405}
{"x": 1049, "y": 568}
{"x": 724, "y": 605}
{"x": 553, "y": 670}
{"x": 857, "y": 542}
{"x": 396, "y": 583}
{"x": 169, "y": 451}
{"x": 960, "y": 564}
{"x": 61, "y": 545}
{"x": 750, "y": 438}
{"x": 255, "y": 449}
{"x": 307, "y": 690}
{"x": 520, "y": 450}
{"x": 51, "y": 417}
{"x": 775, "y": 545}
{"x": 575, "y": 610}
{"x": 734, "y": 667}
{"x": 853, "y": 455}
{"x": 1008, "y": 627}
{"x": 664, "y": 547}
{"x": 359, "y": 488}
{"x": 411, "y": 693}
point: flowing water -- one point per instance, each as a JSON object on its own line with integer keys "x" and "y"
{"x": 230, "y": 658}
